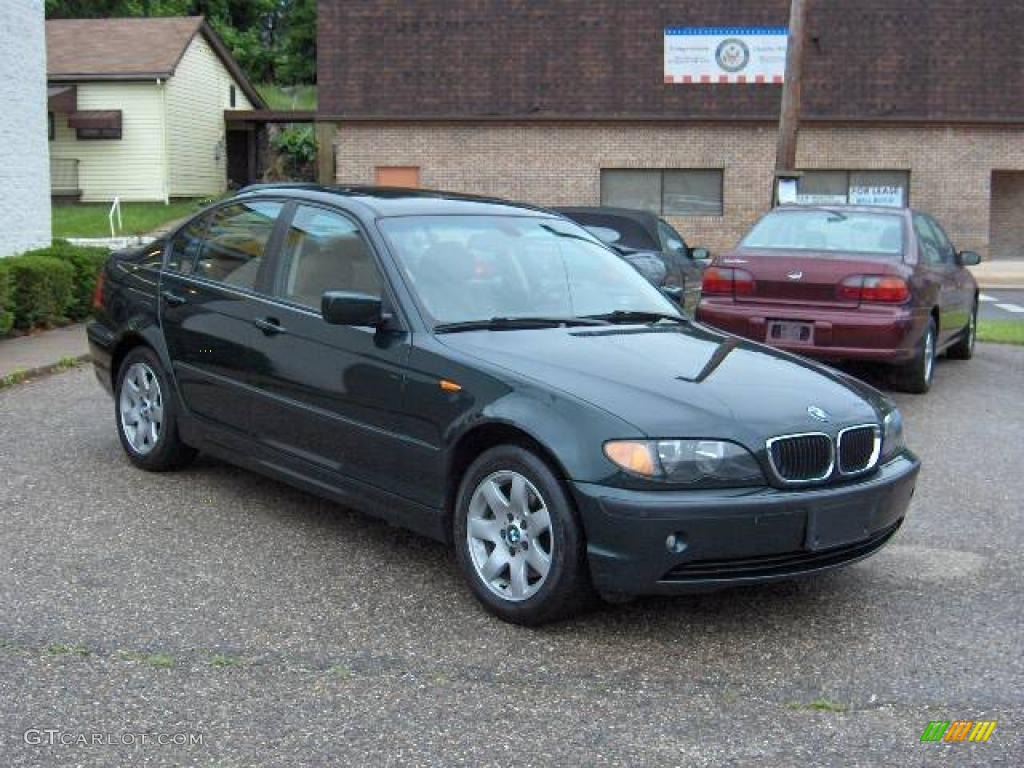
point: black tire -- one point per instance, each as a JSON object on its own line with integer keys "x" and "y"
{"x": 566, "y": 588}
{"x": 964, "y": 347}
{"x": 167, "y": 451}
{"x": 916, "y": 376}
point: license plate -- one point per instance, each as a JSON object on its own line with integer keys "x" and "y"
{"x": 786, "y": 330}
{"x": 839, "y": 524}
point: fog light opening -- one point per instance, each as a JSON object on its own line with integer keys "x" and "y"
{"x": 676, "y": 543}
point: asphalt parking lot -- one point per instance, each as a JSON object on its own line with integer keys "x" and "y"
{"x": 1001, "y": 305}
{"x": 286, "y": 630}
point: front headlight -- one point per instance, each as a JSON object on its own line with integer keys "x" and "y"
{"x": 893, "y": 443}
{"x": 714, "y": 463}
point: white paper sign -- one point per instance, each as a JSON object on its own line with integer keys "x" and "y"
{"x": 877, "y": 195}
{"x": 705, "y": 55}
{"x": 787, "y": 191}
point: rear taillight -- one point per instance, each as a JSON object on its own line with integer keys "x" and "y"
{"x": 727, "y": 280}
{"x": 97, "y": 292}
{"x": 874, "y": 288}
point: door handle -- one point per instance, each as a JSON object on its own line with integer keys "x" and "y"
{"x": 270, "y": 326}
{"x": 173, "y": 299}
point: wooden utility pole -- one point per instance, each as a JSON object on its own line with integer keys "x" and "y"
{"x": 789, "y": 116}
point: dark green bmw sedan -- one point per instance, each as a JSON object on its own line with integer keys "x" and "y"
{"x": 491, "y": 375}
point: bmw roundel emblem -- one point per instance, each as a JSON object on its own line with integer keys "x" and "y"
{"x": 818, "y": 414}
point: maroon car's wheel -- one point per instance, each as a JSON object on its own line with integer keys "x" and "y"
{"x": 916, "y": 376}
{"x": 964, "y": 347}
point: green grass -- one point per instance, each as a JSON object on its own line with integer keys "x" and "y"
{"x": 223, "y": 660}
{"x": 1001, "y": 331}
{"x": 301, "y": 97}
{"x": 62, "y": 649}
{"x": 819, "y": 705}
{"x": 90, "y": 219}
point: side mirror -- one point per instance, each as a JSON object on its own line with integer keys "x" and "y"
{"x": 674, "y": 292}
{"x": 701, "y": 257}
{"x": 968, "y": 258}
{"x": 345, "y": 308}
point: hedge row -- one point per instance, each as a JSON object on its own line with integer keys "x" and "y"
{"x": 48, "y": 286}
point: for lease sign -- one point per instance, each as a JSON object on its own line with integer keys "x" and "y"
{"x": 704, "y": 55}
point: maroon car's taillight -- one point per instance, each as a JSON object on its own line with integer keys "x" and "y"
{"x": 727, "y": 281}
{"x": 882, "y": 289}
{"x": 97, "y": 292}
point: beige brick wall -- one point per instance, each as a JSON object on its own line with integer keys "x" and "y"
{"x": 1007, "y": 230}
{"x": 559, "y": 164}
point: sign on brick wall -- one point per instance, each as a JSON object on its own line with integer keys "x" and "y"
{"x": 705, "y": 55}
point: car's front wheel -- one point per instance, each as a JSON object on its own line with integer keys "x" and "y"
{"x": 517, "y": 538}
{"x": 146, "y": 416}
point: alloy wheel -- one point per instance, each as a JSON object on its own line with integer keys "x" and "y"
{"x": 141, "y": 408}
{"x": 929, "y": 355}
{"x": 508, "y": 532}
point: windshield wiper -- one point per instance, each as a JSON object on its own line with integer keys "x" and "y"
{"x": 638, "y": 316}
{"x": 517, "y": 323}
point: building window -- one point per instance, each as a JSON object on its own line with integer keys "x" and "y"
{"x": 667, "y": 192}
{"x": 232, "y": 96}
{"x": 891, "y": 188}
{"x": 49, "y": 117}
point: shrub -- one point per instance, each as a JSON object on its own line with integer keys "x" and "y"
{"x": 6, "y": 298}
{"x": 87, "y": 263}
{"x": 44, "y": 289}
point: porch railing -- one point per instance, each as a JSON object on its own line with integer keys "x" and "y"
{"x": 64, "y": 176}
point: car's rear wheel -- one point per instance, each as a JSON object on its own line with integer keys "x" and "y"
{"x": 517, "y": 538}
{"x": 916, "y": 376}
{"x": 146, "y": 416}
{"x": 964, "y": 347}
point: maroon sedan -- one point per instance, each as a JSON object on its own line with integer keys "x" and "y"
{"x": 848, "y": 283}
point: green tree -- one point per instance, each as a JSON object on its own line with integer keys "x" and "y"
{"x": 273, "y": 40}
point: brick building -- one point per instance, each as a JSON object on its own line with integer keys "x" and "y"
{"x": 565, "y": 102}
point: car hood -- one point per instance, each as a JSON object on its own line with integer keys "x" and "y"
{"x": 680, "y": 380}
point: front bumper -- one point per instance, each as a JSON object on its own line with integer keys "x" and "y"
{"x": 738, "y": 536}
{"x": 101, "y": 350}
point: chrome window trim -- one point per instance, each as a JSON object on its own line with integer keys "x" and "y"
{"x": 775, "y": 470}
{"x": 875, "y": 453}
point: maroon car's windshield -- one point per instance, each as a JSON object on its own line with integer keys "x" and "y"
{"x": 820, "y": 230}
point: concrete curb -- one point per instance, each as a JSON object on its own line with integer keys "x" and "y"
{"x": 22, "y": 375}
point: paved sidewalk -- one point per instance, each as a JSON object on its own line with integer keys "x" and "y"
{"x": 31, "y": 354}
{"x": 1003, "y": 273}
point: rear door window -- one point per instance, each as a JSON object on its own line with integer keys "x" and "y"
{"x": 186, "y": 245}
{"x": 236, "y": 240}
{"x": 927, "y": 242}
{"x": 325, "y": 251}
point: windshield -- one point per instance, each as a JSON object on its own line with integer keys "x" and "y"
{"x": 824, "y": 230}
{"x": 472, "y": 268}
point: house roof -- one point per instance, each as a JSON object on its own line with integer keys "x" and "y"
{"x": 131, "y": 49}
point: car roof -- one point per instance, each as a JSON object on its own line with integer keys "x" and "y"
{"x": 636, "y": 214}
{"x": 397, "y": 201}
{"x": 847, "y": 207}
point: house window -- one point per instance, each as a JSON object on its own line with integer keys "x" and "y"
{"x": 232, "y": 96}
{"x": 96, "y": 124}
{"x": 667, "y": 192}
{"x": 891, "y": 188}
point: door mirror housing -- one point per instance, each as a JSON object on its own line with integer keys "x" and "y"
{"x": 348, "y": 308}
{"x": 968, "y": 258}
{"x": 701, "y": 257}
{"x": 674, "y": 292}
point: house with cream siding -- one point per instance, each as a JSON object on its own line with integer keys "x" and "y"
{"x": 136, "y": 108}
